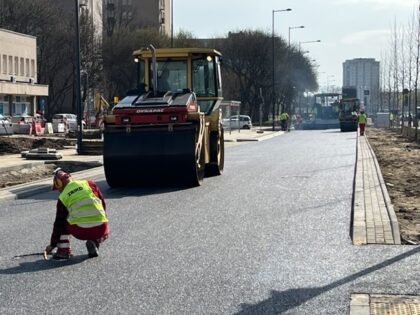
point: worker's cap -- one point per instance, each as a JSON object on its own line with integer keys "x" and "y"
{"x": 61, "y": 179}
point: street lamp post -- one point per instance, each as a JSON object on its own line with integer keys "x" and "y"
{"x": 77, "y": 80}
{"x": 273, "y": 79}
{"x": 310, "y": 41}
{"x": 292, "y": 28}
{"x": 329, "y": 81}
{"x": 172, "y": 24}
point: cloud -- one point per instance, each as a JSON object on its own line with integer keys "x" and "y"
{"x": 379, "y": 4}
{"x": 370, "y": 37}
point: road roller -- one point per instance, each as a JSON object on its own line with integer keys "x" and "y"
{"x": 168, "y": 130}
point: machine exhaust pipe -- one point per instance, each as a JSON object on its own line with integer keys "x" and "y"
{"x": 154, "y": 69}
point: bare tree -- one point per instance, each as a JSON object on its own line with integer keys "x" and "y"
{"x": 395, "y": 55}
{"x": 410, "y": 54}
{"x": 52, "y": 29}
{"x": 119, "y": 70}
{"x": 248, "y": 70}
{"x": 416, "y": 80}
{"x": 186, "y": 39}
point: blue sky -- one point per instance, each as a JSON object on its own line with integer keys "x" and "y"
{"x": 347, "y": 28}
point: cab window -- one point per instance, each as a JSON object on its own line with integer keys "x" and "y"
{"x": 171, "y": 75}
{"x": 203, "y": 78}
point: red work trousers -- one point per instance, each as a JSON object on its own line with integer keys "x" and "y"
{"x": 98, "y": 234}
{"x": 362, "y": 129}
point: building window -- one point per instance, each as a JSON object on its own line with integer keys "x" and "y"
{"x": 10, "y": 65}
{"x": 32, "y": 68}
{"x": 1, "y": 109}
{"x": 16, "y": 65}
{"x": 4, "y": 64}
{"x": 22, "y": 67}
{"x": 19, "y": 109}
{"x": 27, "y": 67}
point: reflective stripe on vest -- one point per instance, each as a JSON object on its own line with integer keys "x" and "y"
{"x": 83, "y": 205}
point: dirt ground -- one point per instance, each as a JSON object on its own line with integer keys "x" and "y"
{"x": 17, "y": 144}
{"x": 399, "y": 160}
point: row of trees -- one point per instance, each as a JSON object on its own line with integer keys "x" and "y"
{"x": 108, "y": 63}
{"x": 400, "y": 70}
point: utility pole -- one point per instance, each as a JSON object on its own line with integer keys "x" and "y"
{"x": 77, "y": 80}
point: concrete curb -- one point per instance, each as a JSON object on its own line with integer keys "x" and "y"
{"x": 360, "y": 304}
{"x": 359, "y": 212}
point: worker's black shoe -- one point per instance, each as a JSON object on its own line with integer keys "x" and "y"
{"x": 92, "y": 249}
{"x": 61, "y": 256}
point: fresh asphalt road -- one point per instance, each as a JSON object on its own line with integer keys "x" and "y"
{"x": 269, "y": 236}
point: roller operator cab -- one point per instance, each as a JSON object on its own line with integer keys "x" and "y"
{"x": 169, "y": 129}
{"x": 349, "y": 109}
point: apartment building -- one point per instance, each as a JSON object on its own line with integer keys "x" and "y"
{"x": 363, "y": 74}
{"x": 94, "y": 8}
{"x": 137, "y": 13}
{"x": 18, "y": 75}
{"x": 108, "y": 15}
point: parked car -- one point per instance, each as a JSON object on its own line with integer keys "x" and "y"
{"x": 244, "y": 122}
{"x": 68, "y": 120}
{"x": 6, "y": 126}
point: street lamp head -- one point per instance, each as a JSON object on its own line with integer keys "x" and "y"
{"x": 284, "y": 10}
{"x": 295, "y": 27}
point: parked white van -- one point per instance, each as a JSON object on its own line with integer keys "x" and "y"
{"x": 237, "y": 122}
{"x": 68, "y": 120}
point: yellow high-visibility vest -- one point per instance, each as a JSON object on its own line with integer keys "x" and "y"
{"x": 83, "y": 205}
{"x": 362, "y": 118}
{"x": 284, "y": 116}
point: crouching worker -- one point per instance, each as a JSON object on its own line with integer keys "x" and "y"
{"x": 80, "y": 212}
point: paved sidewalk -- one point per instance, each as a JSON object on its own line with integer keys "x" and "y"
{"x": 379, "y": 304}
{"x": 374, "y": 219}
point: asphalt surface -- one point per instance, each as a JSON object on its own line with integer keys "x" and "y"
{"x": 269, "y": 236}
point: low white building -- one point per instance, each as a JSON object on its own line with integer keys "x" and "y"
{"x": 18, "y": 75}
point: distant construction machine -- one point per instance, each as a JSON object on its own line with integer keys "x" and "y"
{"x": 349, "y": 109}
{"x": 324, "y": 112}
{"x": 169, "y": 129}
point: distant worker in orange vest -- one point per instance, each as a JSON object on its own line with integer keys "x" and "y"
{"x": 362, "y": 119}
